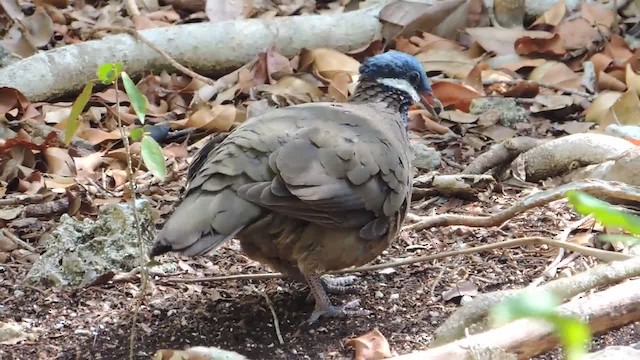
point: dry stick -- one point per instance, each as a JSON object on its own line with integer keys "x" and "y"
{"x": 553, "y": 267}
{"x": 276, "y": 323}
{"x": 22, "y": 199}
{"x": 594, "y": 187}
{"x": 585, "y": 250}
{"x": 544, "y": 85}
{"x": 609, "y": 309}
{"x": 564, "y": 289}
{"x": 174, "y": 63}
{"x": 19, "y": 241}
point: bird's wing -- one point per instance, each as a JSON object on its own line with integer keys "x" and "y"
{"x": 345, "y": 165}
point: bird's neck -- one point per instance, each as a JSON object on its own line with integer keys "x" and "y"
{"x": 375, "y": 92}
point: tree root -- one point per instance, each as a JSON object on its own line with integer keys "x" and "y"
{"x": 594, "y": 187}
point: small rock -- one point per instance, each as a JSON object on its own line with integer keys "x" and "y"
{"x": 379, "y": 294}
{"x": 394, "y": 297}
{"x": 425, "y": 158}
{"x": 506, "y": 110}
{"x": 84, "y": 249}
{"x": 11, "y": 333}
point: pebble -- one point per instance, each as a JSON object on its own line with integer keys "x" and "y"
{"x": 394, "y": 296}
{"x": 379, "y": 294}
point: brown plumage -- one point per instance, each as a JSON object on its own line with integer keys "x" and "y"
{"x": 306, "y": 189}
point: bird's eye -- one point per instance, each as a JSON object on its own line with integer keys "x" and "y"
{"x": 414, "y": 78}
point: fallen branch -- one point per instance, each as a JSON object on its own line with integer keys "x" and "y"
{"x": 599, "y": 188}
{"x": 501, "y": 154}
{"x": 19, "y": 241}
{"x": 585, "y": 250}
{"x": 170, "y": 60}
{"x": 603, "y": 311}
{"x": 202, "y": 47}
{"x": 470, "y": 317}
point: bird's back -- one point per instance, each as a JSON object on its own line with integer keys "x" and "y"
{"x": 337, "y": 165}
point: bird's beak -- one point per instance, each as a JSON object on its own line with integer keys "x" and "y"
{"x": 429, "y": 102}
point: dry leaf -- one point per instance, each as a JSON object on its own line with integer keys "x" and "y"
{"x": 501, "y": 40}
{"x": 452, "y": 62}
{"x": 338, "y": 88}
{"x": 460, "y": 289}
{"x": 458, "y": 116}
{"x": 404, "y": 18}
{"x": 59, "y": 162}
{"x": 328, "y": 63}
{"x": 218, "y": 118}
{"x": 601, "y": 105}
{"x": 553, "y": 16}
{"x": 545, "y": 45}
{"x": 419, "y": 120}
{"x": 632, "y": 79}
{"x": 459, "y": 95}
{"x": 10, "y": 213}
{"x": 509, "y": 13}
{"x": 96, "y": 136}
{"x": 556, "y": 73}
{"x": 370, "y": 346}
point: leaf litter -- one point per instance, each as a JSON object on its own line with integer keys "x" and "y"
{"x": 569, "y": 71}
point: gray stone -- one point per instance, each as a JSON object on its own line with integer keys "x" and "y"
{"x": 79, "y": 251}
{"x": 425, "y": 158}
{"x": 506, "y": 109}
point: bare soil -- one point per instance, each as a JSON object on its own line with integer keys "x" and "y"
{"x": 95, "y": 322}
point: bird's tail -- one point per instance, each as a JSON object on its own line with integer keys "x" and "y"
{"x": 203, "y": 221}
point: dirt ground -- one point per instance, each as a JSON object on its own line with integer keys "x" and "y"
{"x": 95, "y": 323}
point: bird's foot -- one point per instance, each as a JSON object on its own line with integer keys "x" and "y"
{"x": 328, "y": 310}
{"x": 339, "y": 284}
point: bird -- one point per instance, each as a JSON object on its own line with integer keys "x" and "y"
{"x": 309, "y": 188}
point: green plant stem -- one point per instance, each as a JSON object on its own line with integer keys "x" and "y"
{"x": 132, "y": 188}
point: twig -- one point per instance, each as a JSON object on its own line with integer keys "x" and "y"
{"x": 544, "y": 85}
{"x": 585, "y": 250}
{"x": 592, "y": 186}
{"x": 19, "y": 241}
{"x": 174, "y": 63}
{"x": 22, "y": 199}
{"x": 276, "y": 323}
{"x": 552, "y": 268}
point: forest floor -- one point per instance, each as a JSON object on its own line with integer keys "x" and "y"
{"x": 546, "y": 79}
{"x": 408, "y": 305}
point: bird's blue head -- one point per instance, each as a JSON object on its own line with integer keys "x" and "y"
{"x": 401, "y": 71}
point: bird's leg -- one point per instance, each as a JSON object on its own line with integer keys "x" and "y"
{"x": 323, "y": 305}
{"x": 339, "y": 284}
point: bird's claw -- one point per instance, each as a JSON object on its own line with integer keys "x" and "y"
{"x": 336, "y": 311}
{"x": 338, "y": 285}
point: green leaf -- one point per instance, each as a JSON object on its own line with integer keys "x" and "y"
{"x": 153, "y": 158}
{"x": 625, "y": 239}
{"x": 534, "y": 303}
{"x": 108, "y": 73}
{"x": 77, "y": 107}
{"x": 136, "y": 134}
{"x": 574, "y": 335}
{"x": 138, "y": 101}
{"x": 604, "y": 212}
